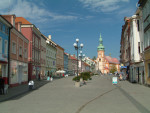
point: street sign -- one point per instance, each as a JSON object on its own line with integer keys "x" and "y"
{"x": 114, "y": 80}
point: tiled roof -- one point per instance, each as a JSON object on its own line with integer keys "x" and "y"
{"x": 112, "y": 60}
{"x": 73, "y": 58}
{"x": 22, "y": 20}
{"x": 86, "y": 64}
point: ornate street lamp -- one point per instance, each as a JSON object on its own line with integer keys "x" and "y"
{"x": 81, "y": 57}
{"x": 77, "y": 47}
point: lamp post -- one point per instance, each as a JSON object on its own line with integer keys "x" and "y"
{"x": 77, "y": 47}
{"x": 81, "y": 56}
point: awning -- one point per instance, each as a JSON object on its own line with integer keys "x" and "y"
{"x": 123, "y": 66}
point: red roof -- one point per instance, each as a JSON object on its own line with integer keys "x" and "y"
{"x": 22, "y": 20}
{"x": 112, "y": 60}
{"x": 73, "y": 58}
{"x": 86, "y": 64}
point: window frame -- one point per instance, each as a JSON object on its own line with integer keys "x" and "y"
{"x": 6, "y": 47}
{"x": 148, "y": 70}
{"x": 14, "y": 50}
{"x": 20, "y": 50}
{"x": 25, "y": 52}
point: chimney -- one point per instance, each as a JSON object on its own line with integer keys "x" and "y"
{"x": 49, "y": 37}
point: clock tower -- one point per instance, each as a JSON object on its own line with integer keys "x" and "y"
{"x": 100, "y": 55}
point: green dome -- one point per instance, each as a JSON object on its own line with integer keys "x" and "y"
{"x": 100, "y": 47}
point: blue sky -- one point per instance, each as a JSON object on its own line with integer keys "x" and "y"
{"x": 67, "y": 20}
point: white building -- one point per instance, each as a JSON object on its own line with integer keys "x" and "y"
{"x": 136, "y": 44}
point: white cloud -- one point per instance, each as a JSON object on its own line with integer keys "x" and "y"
{"x": 5, "y": 4}
{"x": 32, "y": 11}
{"x": 102, "y": 5}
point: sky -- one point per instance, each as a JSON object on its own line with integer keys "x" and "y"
{"x": 66, "y": 20}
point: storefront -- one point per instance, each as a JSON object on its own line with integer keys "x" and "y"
{"x": 4, "y": 71}
{"x": 18, "y": 73}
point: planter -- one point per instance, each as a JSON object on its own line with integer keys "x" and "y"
{"x": 77, "y": 84}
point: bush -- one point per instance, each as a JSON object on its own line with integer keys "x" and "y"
{"x": 86, "y": 75}
{"x": 76, "y": 78}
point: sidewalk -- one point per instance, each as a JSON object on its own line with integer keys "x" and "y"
{"x": 21, "y": 89}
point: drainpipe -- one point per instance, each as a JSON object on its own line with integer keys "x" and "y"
{"x": 9, "y": 55}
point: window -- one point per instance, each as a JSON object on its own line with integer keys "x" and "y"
{"x": 33, "y": 40}
{"x": 148, "y": 69}
{"x": 33, "y": 54}
{"x": 25, "y": 53}
{"x": 0, "y": 45}
{"x": 14, "y": 47}
{"x": 1, "y": 26}
{"x": 6, "y": 46}
{"x": 138, "y": 25}
{"x": 6, "y": 30}
{"x": 20, "y": 51}
{"x": 139, "y": 46}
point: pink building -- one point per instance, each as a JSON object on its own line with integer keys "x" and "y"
{"x": 34, "y": 51}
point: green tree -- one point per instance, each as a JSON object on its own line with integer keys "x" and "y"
{"x": 94, "y": 58}
{"x": 113, "y": 69}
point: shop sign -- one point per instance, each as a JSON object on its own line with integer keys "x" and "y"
{"x": 114, "y": 80}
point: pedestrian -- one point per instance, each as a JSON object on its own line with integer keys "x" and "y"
{"x": 48, "y": 76}
{"x": 2, "y": 85}
{"x": 39, "y": 77}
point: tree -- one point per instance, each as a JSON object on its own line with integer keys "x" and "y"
{"x": 113, "y": 69}
{"x": 94, "y": 58}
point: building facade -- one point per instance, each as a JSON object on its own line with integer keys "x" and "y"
{"x": 60, "y": 58}
{"x": 144, "y": 5}
{"x": 43, "y": 57}
{"x": 66, "y": 57}
{"x": 51, "y": 51}
{"x": 18, "y": 52}
{"x": 125, "y": 48}
{"x": 5, "y": 27}
{"x": 104, "y": 63}
{"x": 34, "y": 49}
{"x": 72, "y": 64}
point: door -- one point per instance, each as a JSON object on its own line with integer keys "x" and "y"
{"x": 20, "y": 72}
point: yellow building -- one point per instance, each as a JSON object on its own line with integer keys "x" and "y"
{"x": 144, "y": 5}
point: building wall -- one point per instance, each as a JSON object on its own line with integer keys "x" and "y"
{"x": 34, "y": 54}
{"x": 18, "y": 58}
{"x": 4, "y": 37}
{"x": 50, "y": 57}
{"x": 146, "y": 20}
{"x": 60, "y": 58}
{"x": 27, "y": 32}
{"x": 43, "y": 57}
{"x": 65, "y": 62}
{"x": 100, "y": 60}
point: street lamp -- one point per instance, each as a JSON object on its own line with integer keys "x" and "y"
{"x": 77, "y": 47}
{"x": 81, "y": 56}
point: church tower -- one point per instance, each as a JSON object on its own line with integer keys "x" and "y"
{"x": 100, "y": 55}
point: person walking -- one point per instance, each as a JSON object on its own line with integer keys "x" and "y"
{"x": 2, "y": 85}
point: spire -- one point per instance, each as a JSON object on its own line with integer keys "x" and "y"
{"x": 100, "y": 47}
{"x": 100, "y": 39}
